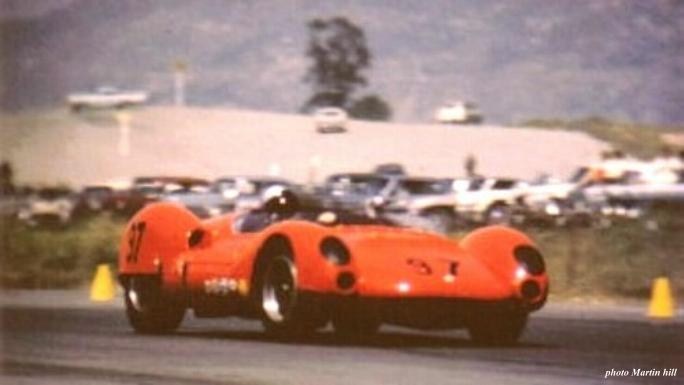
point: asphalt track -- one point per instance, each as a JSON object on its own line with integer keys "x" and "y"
{"x": 60, "y": 338}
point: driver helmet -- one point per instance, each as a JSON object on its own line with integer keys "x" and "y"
{"x": 280, "y": 202}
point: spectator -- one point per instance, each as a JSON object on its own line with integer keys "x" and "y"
{"x": 6, "y": 178}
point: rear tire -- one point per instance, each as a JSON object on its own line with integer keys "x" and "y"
{"x": 149, "y": 310}
{"x": 497, "y": 328}
{"x": 441, "y": 220}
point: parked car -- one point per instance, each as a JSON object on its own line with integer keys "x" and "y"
{"x": 225, "y": 195}
{"x": 628, "y": 198}
{"x": 330, "y": 120}
{"x": 411, "y": 201}
{"x": 106, "y": 97}
{"x": 489, "y": 200}
{"x": 589, "y": 199}
{"x": 458, "y": 112}
{"x": 147, "y": 189}
{"x": 356, "y": 192}
{"x": 9, "y": 206}
{"x": 546, "y": 201}
{"x": 94, "y": 199}
{"x": 203, "y": 201}
{"x": 10, "y": 201}
{"x": 50, "y": 205}
{"x": 423, "y": 202}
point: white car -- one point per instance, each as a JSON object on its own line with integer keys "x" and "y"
{"x": 329, "y": 120}
{"x": 548, "y": 197}
{"x": 106, "y": 97}
{"x": 427, "y": 203}
{"x": 489, "y": 200}
{"x": 54, "y": 204}
{"x": 629, "y": 197}
{"x": 458, "y": 113}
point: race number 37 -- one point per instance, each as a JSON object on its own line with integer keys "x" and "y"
{"x": 135, "y": 236}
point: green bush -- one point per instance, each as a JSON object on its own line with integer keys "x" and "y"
{"x": 56, "y": 257}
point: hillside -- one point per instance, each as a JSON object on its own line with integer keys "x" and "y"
{"x": 518, "y": 59}
{"x": 57, "y": 147}
{"x": 639, "y": 140}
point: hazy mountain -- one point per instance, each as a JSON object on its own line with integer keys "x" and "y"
{"x": 517, "y": 59}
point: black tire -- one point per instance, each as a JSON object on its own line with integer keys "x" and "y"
{"x": 441, "y": 220}
{"x": 284, "y": 311}
{"x": 149, "y": 311}
{"x": 497, "y": 328}
{"x": 499, "y": 214}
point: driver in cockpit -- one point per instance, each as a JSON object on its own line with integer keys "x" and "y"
{"x": 279, "y": 204}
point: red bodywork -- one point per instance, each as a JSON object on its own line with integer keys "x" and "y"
{"x": 212, "y": 266}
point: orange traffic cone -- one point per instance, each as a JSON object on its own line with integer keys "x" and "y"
{"x": 103, "y": 287}
{"x": 662, "y": 304}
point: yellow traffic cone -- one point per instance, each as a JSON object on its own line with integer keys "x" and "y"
{"x": 103, "y": 287}
{"x": 662, "y": 304}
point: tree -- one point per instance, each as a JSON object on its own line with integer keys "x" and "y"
{"x": 371, "y": 107}
{"x": 339, "y": 53}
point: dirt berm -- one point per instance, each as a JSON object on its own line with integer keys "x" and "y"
{"x": 61, "y": 147}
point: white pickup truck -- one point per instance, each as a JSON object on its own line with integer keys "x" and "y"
{"x": 489, "y": 200}
{"x": 458, "y": 112}
{"x": 106, "y": 97}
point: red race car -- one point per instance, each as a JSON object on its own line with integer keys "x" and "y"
{"x": 298, "y": 268}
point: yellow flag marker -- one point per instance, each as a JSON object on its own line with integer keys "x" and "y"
{"x": 662, "y": 304}
{"x": 103, "y": 287}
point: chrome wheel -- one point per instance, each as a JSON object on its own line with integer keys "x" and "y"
{"x": 279, "y": 291}
{"x": 135, "y": 296}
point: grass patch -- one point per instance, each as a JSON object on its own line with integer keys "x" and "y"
{"x": 640, "y": 140}
{"x": 52, "y": 257}
{"x": 618, "y": 261}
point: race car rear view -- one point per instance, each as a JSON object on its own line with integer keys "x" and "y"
{"x": 299, "y": 268}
